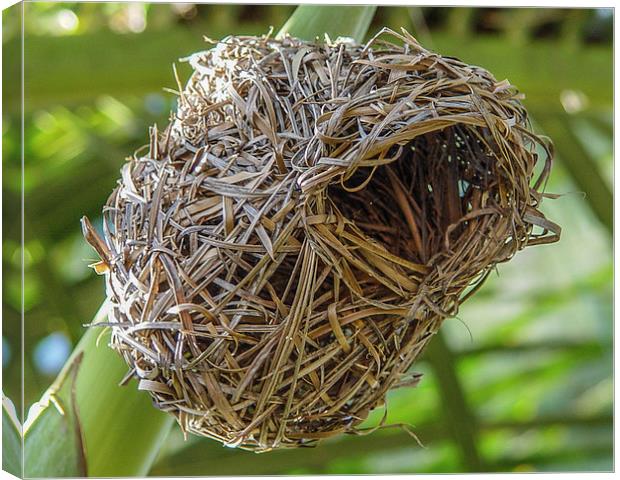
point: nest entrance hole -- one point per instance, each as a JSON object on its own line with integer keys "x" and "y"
{"x": 409, "y": 204}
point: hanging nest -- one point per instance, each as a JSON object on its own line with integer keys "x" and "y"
{"x": 281, "y": 253}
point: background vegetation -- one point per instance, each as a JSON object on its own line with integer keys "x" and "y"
{"x": 522, "y": 380}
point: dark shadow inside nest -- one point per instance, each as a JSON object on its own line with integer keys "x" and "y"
{"x": 409, "y": 204}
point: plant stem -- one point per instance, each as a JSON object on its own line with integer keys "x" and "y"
{"x": 122, "y": 430}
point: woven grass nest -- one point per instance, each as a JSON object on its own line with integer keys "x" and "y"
{"x": 281, "y": 253}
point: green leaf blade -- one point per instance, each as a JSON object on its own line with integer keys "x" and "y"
{"x": 122, "y": 430}
{"x": 88, "y": 425}
{"x": 53, "y": 442}
{"x": 11, "y": 439}
{"x": 311, "y": 21}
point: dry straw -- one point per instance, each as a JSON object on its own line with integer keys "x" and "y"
{"x": 283, "y": 251}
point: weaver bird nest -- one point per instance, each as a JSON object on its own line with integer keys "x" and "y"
{"x": 283, "y": 251}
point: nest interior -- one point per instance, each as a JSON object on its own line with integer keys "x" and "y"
{"x": 280, "y": 254}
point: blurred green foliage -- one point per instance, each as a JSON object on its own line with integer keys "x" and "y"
{"x": 530, "y": 357}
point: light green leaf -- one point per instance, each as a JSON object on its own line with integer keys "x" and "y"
{"x": 53, "y": 443}
{"x": 119, "y": 422}
{"x": 311, "y": 21}
{"x": 11, "y": 439}
{"x": 87, "y": 419}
